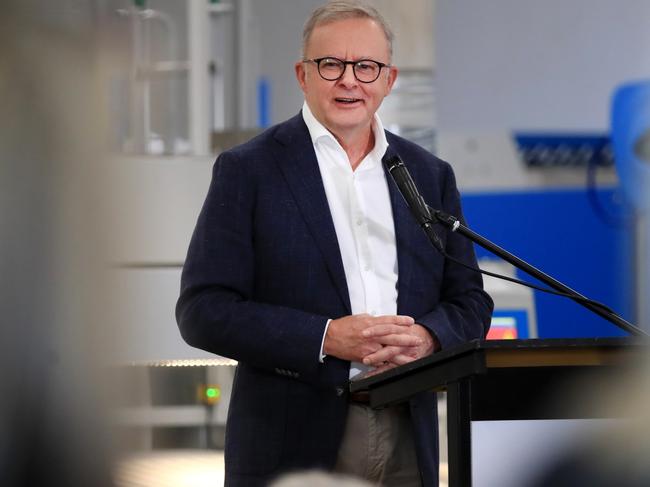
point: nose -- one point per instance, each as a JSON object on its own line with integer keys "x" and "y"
{"x": 348, "y": 78}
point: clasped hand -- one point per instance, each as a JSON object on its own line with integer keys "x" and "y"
{"x": 383, "y": 342}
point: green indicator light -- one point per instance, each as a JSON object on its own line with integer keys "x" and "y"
{"x": 212, "y": 392}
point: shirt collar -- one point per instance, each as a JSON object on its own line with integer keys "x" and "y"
{"x": 317, "y": 132}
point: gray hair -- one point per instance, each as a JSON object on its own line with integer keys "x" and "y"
{"x": 341, "y": 10}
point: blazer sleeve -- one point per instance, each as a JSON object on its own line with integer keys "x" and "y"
{"x": 464, "y": 309}
{"x": 216, "y": 311}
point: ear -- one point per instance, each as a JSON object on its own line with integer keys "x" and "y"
{"x": 300, "y": 75}
{"x": 390, "y": 81}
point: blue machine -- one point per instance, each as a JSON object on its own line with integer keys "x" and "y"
{"x": 631, "y": 143}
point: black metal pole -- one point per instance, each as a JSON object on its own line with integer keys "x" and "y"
{"x": 459, "y": 433}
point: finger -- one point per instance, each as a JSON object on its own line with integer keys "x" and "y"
{"x": 381, "y": 330}
{"x": 401, "y": 359}
{"x": 399, "y": 340}
{"x": 386, "y": 354}
{"x": 393, "y": 320}
{"x": 366, "y": 349}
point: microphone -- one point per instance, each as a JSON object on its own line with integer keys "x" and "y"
{"x": 414, "y": 200}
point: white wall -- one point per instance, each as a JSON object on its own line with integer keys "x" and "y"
{"x": 531, "y": 65}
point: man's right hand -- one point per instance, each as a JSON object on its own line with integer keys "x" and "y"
{"x": 345, "y": 339}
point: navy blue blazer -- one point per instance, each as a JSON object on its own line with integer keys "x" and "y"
{"x": 264, "y": 274}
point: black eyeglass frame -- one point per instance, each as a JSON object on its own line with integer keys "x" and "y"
{"x": 319, "y": 60}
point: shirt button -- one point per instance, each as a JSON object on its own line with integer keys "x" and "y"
{"x": 359, "y": 222}
{"x": 339, "y": 391}
{"x": 366, "y": 267}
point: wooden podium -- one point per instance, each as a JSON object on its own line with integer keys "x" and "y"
{"x": 502, "y": 380}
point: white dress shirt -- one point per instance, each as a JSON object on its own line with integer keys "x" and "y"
{"x": 363, "y": 219}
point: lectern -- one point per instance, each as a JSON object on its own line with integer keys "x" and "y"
{"x": 502, "y": 380}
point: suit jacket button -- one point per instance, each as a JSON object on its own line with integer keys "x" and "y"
{"x": 340, "y": 391}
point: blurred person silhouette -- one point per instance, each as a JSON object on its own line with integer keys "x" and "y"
{"x": 318, "y": 479}
{"x": 51, "y": 432}
{"x": 615, "y": 453}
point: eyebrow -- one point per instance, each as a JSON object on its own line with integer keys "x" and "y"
{"x": 359, "y": 58}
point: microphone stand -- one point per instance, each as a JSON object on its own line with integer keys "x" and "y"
{"x": 452, "y": 223}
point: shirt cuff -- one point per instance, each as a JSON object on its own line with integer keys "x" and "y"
{"x": 322, "y": 356}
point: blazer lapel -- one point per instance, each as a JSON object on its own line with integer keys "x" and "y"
{"x": 297, "y": 161}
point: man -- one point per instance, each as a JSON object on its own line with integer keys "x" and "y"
{"x": 308, "y": 269}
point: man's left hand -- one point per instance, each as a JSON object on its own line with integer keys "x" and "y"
{"x": 389, "y": 357}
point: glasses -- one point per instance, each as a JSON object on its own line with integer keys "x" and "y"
{"x": 332, "y": 69}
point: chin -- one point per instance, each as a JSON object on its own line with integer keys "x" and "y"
{"x": 349, "y": 122}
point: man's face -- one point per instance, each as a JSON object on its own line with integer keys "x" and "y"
{"x": 346, "y": 107}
